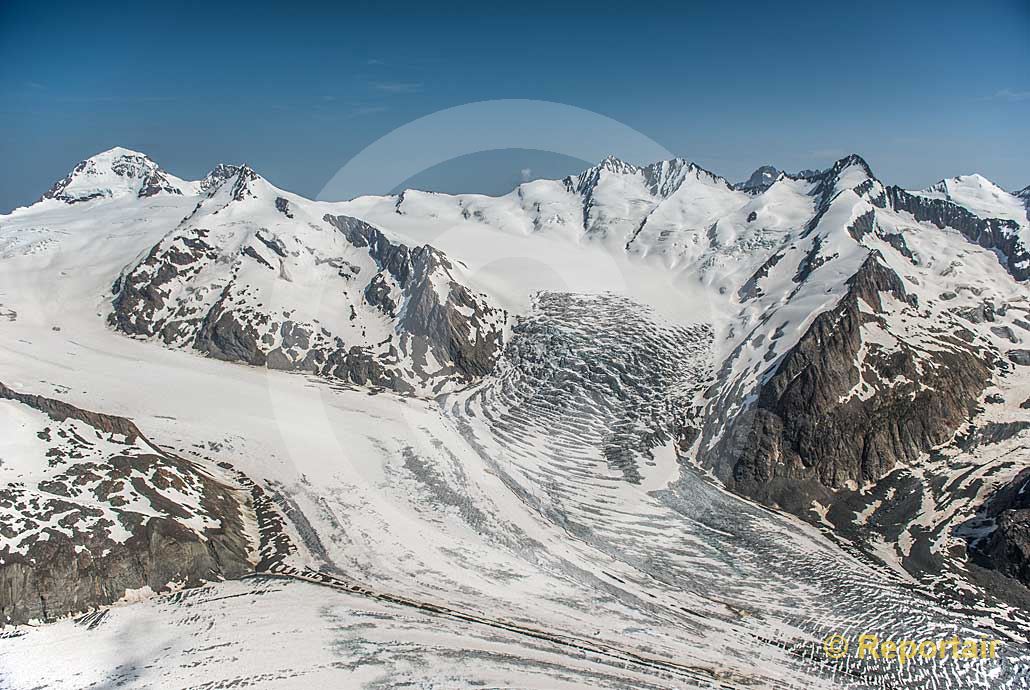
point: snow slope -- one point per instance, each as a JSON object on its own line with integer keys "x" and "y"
{"x": 545, "y": 518}
{"x": 257, "y": 275}
{"x": 984, "y": 198}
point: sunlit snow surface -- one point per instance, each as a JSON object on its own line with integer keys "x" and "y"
{"x": 984, "y": 198}
{"x": 543, "y": 513}
{"x": 539, "y": 497}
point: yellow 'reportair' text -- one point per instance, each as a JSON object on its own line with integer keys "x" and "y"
{"x": 870, "y": 646}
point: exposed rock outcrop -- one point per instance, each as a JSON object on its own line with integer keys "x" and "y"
{"x": 100, "y": 512}
{"x": 1007, "y": 547}
{"x": 760, "y": 180}
{"x": 449, "y": 326}
{"x": 829, "y": 415}
{"x": 990, "y": 233}
{"x": 330, "y": 295}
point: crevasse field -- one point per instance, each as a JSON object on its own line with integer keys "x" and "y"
{"x": 545, "y": 526}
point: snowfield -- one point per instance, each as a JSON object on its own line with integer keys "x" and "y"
{"x": 544, "y": 523}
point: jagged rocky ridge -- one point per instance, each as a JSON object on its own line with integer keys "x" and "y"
{"x": 93, "y": 511}
{"x": 864, "y": 321}
{"x": 808, "y": 433}
{"x": 258, "y": 276}
{"x": 991, "y": 233}
{"x": 760, "y": 180}
{"x": 814, "y": 407}
{"x": 856, "y": 393}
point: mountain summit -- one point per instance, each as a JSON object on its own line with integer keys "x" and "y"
{"x": 114, "y": 173}
{"x": 424, "y": 412}
{"x": 760, "y": 179}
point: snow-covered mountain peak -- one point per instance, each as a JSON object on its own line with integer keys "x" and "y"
{"x": 974, "y": 183}
{"x": 853, "y": 159}
{"x": 246, "y": 182}
{"x": 117, "y": 172}
{"x": 218, "y": 175}
{"x": 228, "y": 185}
{"x": 585, "y": 182}
{"x": 849, "y": 168}
{"x": 665, "y": 177}
{"x": 119, "y": 152}
{"x": 612, "y": 163}
{"x": 659, "y": 179}
{"x": 760, "y": 179}
{"x": 849, "y": 174}
{"x": 977, "y": 178}
{"x": 981, "y": 196}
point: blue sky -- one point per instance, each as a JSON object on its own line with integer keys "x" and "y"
{"x": 923, "y": 90}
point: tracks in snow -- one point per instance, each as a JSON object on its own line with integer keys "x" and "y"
{"x": 589, "y": 389}
{"x": 664, "y": 668}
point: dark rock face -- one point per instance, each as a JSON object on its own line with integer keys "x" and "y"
{"x": 224, "y": 337}
{"x": 453, "y": 328}
{"x": 1020, "y": 357}
{"x": 60, "y": 411}
{"x": 439, "y": 329}
{"x": 283, "y": 206}
{"x": 751, "y": 288}
{"x": 863, "y": 225}
{"x": 828, "y": 179}
{"x": 991, "y": 432}
{"x": 856, "y": 394}
{"x": 1007, "y": 547}
{"x": 990, "y": 233}
{"x": 155, "y": 183}
{"x": 140, "y": 295}
{"x": 55, "y": 578}
{"x": 218, "y": 176}
{"x": 897, "y": 241}
{"x": 98, "y": 470}
{"x": 813, "y": 260}
{"x": 241, "y": 183}
{"x": 1024, "y": 194}
{"x": 760, "y": 180}
{"x": 807, "y": 433}
{"x": 827, "y": 182}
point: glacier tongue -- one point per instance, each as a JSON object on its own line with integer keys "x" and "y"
{"x": 568, "y": 354}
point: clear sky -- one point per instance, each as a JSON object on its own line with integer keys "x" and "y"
{"x": 922, "y": 90}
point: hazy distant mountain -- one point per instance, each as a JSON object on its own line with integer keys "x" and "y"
{"x": 760, "y": 179}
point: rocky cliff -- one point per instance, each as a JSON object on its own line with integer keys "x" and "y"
{"x": 840, "y": 409}
{"x": 93, "y": 512}
{"x": 1001, "y": 235}
{"x": 1006, "y": 547}
{"x": 254, "y": 277}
